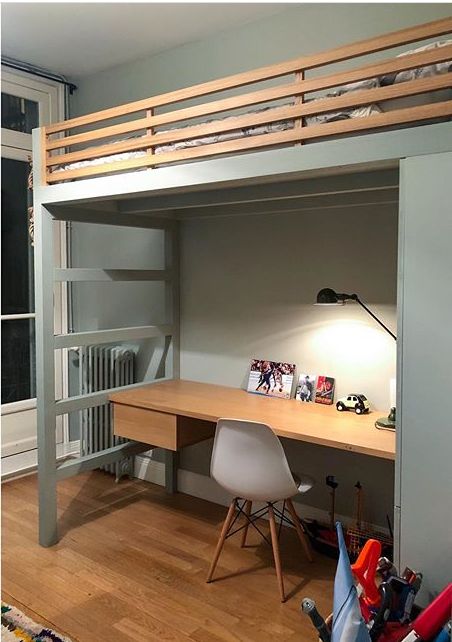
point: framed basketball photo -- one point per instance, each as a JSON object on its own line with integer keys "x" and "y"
{"x": 271, "y": 378}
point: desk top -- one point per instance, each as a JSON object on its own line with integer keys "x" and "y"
{"x": 310, "y": 422}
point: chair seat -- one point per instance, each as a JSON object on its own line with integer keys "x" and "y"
{"x": 303, "y": 482}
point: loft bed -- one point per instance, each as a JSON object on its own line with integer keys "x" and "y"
{"x": 411, "y": 88}
{"x": 85, "y": 167}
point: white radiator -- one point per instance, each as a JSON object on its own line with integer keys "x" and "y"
{"x": 103, "y": 367}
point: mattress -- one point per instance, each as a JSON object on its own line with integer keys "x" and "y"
{"x": 360, "y": 112}
{"x": 231, "y": 135}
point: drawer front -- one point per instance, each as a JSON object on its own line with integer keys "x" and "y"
{"x": 148, "y": 426}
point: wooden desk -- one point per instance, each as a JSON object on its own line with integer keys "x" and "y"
{"x": 174, "y": 414}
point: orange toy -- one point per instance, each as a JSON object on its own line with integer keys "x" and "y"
{"x": 365, "y": 569}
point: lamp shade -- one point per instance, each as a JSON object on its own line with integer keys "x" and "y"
{"x": 327, "y": 296}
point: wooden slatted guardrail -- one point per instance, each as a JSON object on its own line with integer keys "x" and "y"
{"x": 60, "y": 152}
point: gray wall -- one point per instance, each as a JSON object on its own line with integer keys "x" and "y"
{"x": 99, "y": 306}
{"x": 249, "y": 283}
{"x": 110, "y": 305}
{"x": 247, "y": 288}
{"x": 303, "y": 29}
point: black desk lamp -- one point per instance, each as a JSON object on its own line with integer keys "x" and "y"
{"x": 327, "y": 296}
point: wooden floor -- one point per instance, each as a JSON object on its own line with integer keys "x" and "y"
{"x": 131, "y": 565}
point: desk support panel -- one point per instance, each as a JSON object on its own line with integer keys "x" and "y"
{"x": 171, "y": 468}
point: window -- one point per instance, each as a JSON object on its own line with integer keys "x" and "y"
{"x": 18, "y": 369}
{"x": 19, "y": 114}
{"x": 27, "y": 103}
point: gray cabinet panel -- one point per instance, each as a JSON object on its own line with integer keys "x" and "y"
{"x": 424, "y": 469}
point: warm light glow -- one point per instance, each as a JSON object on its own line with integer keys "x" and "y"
{"x": 350, "y": 343}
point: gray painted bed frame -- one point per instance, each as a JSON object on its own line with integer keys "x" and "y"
{"x": 158, "y": 199}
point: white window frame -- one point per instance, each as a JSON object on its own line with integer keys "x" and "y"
{"x": 17, "y": 145}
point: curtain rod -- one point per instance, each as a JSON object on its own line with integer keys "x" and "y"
{"x": 37, "y": 71}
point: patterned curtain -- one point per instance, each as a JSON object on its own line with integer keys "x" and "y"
{"x": 31, "y": 219}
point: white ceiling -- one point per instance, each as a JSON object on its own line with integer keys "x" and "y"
{"x": 77, "y": 39}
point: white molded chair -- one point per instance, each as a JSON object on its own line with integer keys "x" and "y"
{"x": 248, "y": 460}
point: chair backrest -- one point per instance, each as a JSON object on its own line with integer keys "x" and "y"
{"x": 248, "y": 460}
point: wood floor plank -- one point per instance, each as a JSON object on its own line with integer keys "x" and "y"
{"x": 36, "y": 617}
{"x": 131, "y": 564}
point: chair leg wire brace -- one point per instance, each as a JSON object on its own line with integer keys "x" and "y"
{"x": 236, "y": 509}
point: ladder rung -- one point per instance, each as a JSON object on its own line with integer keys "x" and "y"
{"x": 95, "y": 460}
{"x": 76, "y": 339}
{"x": 92, "y": 399}
{"x": 98, "y": 274}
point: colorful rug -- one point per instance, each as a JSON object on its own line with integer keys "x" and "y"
{"x": 17, "y": 627}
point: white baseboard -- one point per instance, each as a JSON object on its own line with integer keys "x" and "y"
{"x": 206, "y": 488}
{"x": 26, "y": 463}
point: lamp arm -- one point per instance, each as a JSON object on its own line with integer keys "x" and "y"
{"x": 374, "y": 317}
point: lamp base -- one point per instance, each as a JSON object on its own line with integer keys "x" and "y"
{"x": 387, "y": 423}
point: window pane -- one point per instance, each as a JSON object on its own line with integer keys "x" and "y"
{"x": 17, "y": 252}
{"x": 18, "y": 360}
{"x": 19, "y": 114}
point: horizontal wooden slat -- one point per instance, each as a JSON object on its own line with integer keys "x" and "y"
{"x": 392, "y": 65}
{"x": 76, "y": 339}
{"x": 105, "y": 132}
{"x": 364, "y": 47}
{"x": 109, "y": 275}
{"x": 351, "y": 99}
{"x": 400, "y": 116}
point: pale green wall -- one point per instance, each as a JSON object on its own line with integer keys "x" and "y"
{"x": 247, "y": 290}
{"x": 213, "y": 347}
{"x": 304, "y": 29}
{"x": 248, "y": 285}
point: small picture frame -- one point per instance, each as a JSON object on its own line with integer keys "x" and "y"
{"x": 324, "y": 392}
{"x": 306, "y": 388}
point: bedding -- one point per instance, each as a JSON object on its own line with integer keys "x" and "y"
{"x": 360, "y": 112}
{"x": 345, "y": 114}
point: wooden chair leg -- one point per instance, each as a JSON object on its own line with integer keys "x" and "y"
{"x": 275, "y": 545}
{"x": 247, "y": 512}
{"x": 303, "y": 539}
{"x": 224, "y": 532}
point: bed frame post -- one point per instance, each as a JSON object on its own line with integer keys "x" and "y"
{"x": 172, "y": 308}
{"x": 45, "y": 356}
{"x": 172, "y": 292}
{"x": 45, "y": 376}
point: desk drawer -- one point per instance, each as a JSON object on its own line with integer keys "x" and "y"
{"x": 148, "y": 426}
